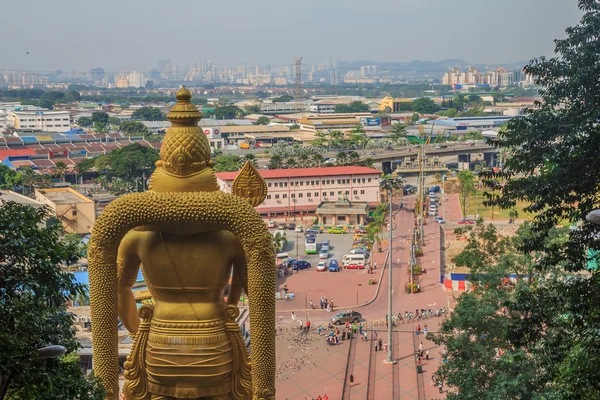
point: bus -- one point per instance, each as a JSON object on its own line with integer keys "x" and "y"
{"x": 310, "y": 244}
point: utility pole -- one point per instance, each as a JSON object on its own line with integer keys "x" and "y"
{"x": 298, "y": 83}
{"x": 389, "y": 184}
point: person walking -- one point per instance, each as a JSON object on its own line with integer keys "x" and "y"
{"x": 311, "y": 305}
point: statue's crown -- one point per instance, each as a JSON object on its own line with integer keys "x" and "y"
{"x": 185, "y": 150}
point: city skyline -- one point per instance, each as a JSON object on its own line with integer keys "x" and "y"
{"x": 83, "y": 37}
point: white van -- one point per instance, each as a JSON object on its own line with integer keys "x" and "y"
{"x": 354, "y": 259}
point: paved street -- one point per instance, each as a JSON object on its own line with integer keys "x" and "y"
{"x": 386, "y": 381}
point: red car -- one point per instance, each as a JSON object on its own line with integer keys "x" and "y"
{"x": 355, "y": 266}
{"x": 466, "y": 222}
{"x": 360, "y": 229}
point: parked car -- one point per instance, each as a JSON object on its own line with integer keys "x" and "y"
{"x": 355, "y": 266}
{"x": 324, "y": 253}
{"x": 360, "y": 250}
{"x": 300, "y": 264}
{"x": 346, "y": 316}
{"x": 466, "y": 222}
{"x": 360, "y": 229}
{"x": 298, "y": 229}
{"x": 312, "y": 231}
{"x": 291, "y": 226}
{"x": 434, "y": 189}
{"x": 432, "y": 212}
{"x": 282, "y": 226}
{"x": 336, "y": 230}
{"x": 271, "y": 224}
{"x": 440, "y": 220}
{"x": 334, "y": 266}
{"x": 321, "y": 266}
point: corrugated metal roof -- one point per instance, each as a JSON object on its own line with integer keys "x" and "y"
{"x": 304, "y": 172}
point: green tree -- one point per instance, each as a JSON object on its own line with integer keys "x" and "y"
{"x": 85, "y": 122}
{"x": 114, "y": 121}
{"x": 133, "y": 128}
{"x": 336, "y": 140}
{"x": 353, "y": 158}
{"x": 358, "y": 137}
{"x": 9, "y": 178}
{"x": 228, "y": 112}
{"x": 262, "y": 121}
{"x": 275, "y": 162}
{"x": 291, "y": 163}
{"x": 398, "y": 133}
{"x": 551, "y": 167}
{"x": 317, "y": 160}
{"x": 513, "y": 214}
{"x": 280, "y": 241}
{"x": 148, "y": 114}
{"x": 30, "y": 177}
{"x": 341, "y": 158}
{"x": 424, "y": 105}
{"x": 33, "y": 308}
{"x": 354, "y": 107}
{"x": 303, "y": 160}
{"x": 99, "y": 117}
{"x": 61, "y": 170}
{"x": 321, "y": 138}
{"x": 72, "y": 96}
{"x": 467, "y": 187}
{"x": 450, "y": 113}
{"x": 132, "y": 161}
{"x": 415, "y": 118}
{"x": 253, "y": 109}
{"x": 460, "y": 101}
{"x": 227, "y": 163}
{"x": 283, "y": 99}
{"x": 368, "y": 162}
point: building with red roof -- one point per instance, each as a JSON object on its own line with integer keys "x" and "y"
{"x": 291, "y": 191}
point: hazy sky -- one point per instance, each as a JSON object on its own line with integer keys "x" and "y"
{"x": 129, "y": 34}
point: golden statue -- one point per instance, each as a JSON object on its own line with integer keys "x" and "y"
{"x": 186, "y": 235}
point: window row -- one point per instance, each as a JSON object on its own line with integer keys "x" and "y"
{"x": 315, "y": 194}
{"x": 323, "y": 182}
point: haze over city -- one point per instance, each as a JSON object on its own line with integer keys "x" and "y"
{"x": 79, "y": 35}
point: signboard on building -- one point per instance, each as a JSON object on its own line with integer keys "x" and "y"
{"x": 212, "y": 133}
{"x": 370, "y": 121}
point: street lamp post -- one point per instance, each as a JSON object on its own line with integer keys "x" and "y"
{"x": 43, "y": 353}
{"x": 390, "y": 184}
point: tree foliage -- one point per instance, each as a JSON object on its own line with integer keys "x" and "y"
{"x": 9, "y": 178}
{"x": 85, "y": 122}
{"x": 354, "y": 107}
{"x": 148, "y": 114}
{"x": 99, "y": 117}
{"x": 424, "y": 105}
{"x": 227, "y": 163}
{"x": 33, "y": 308}
{"x": 262, "y": 121}
{"x": 134, "y": 128}
{"x": 549, "y": 335}
{"x": 282, "y": 99}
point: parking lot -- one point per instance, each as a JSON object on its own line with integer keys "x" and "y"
{"x": 339, "y": 245}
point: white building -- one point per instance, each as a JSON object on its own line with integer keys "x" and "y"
{"x": 136, "y": 79}
{"x": 283, "y": 108}
{"x": 303, "y": 189}
{"x": 39, "y": 121}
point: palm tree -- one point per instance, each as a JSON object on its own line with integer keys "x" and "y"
{"x": 304, "y": 160}
{"x": 342, "y": 158}
{"x": 276, "y": 162}
{"x": 336, "y": 140}
{"x": 368, "y": 162}
{"x": 321, "y": 139}
{"x": 353, "y": 158}
{"x": 30, "y": 177}
{"x": 358, "y": 137}
{"x": 317, "y": 160}
{"x": 290, "y": 163}
{"x": 513, "y": 214}
{"x": 280, "y": 241}
{"x": 61, "y": 169}
{"x": 251, "y": 157}
{"x": 398, "y": 133}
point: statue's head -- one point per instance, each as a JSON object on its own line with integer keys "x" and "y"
{"x": 185, "y": 164}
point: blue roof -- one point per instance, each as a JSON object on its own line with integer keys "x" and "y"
{"x": 30, "y": 139}
{"x": 75, "y": 131}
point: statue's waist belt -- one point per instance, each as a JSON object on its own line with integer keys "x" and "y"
{"x": 174, "y": 332}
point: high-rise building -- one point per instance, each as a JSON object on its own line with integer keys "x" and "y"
{"x": 164, "y": 65}
{"x": 96, "y": 74}
{"x": 136, "y": 79}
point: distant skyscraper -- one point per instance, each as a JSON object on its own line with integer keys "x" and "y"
{"x": 136, "y": 79}
{"x": 164, "y": 65}
{"x": 97, "y": 74}
{"x": 154, "y": 74}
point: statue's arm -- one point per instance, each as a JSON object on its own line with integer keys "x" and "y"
{"x": 128, "y": 267}
{"x": 240, "y": 274}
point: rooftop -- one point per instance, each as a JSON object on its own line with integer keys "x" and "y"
{"x": 343, "y": 207}
{"x": 63, "y": 196}
{"x": 9, "y": 195}
{"x": 304, "y": 172}
{"x": 254, "y": 128}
